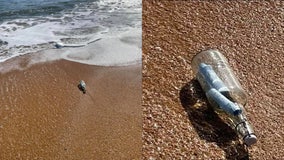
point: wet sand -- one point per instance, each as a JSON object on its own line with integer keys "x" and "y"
{"x": 250, "y": 35}
{"x": 43, "y": 115}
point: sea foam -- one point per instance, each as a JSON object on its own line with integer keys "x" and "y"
{"x": 115, "y": 50}
{"x": 103, "y": 33}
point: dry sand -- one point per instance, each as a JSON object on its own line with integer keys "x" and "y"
{"x": 43, "y": 115}
{"x": 250, "y": 35}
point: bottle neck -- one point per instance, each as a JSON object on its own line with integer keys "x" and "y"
{"x": 244, "y": 130}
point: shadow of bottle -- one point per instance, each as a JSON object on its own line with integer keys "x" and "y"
{"x": 208, "y": 124}
{"x": 81, "y": 89}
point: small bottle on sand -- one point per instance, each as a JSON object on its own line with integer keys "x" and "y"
{"x": 223, "y": 92}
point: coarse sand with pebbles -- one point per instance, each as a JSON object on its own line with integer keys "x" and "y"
{"x": 177, "y": 121}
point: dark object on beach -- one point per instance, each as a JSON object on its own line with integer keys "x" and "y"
{"x": 3, "y": 42}
{"x": 82, "y": 86}
{"x": 59, "y": 45}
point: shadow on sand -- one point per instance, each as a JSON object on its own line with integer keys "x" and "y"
{"x": 81, "y": 89}
{"x": 207, "y": 123}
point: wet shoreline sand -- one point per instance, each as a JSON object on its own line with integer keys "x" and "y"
{"x": 177, "y": 122}
{"x": 43, "y": 115}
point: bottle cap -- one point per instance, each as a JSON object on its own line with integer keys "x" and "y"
{"x": 250, "y": 139}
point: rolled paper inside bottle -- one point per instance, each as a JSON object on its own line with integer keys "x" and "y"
{"x": 223, "y": 102}
{"x": 212, "y": 78}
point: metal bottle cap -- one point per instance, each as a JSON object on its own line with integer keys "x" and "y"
{"x": 250, "y": 139}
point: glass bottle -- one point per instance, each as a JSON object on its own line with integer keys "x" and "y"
{"x": 223, "y": 92}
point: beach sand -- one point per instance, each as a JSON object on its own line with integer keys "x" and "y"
{"x": 43, "y": 115}
{"x": 177, "y": 121}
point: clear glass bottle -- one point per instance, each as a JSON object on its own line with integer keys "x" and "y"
{"x": 223, "y": 91}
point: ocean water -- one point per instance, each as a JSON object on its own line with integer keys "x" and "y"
{"x": 96, "y": 32}
{"x": 15, "y": 9}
